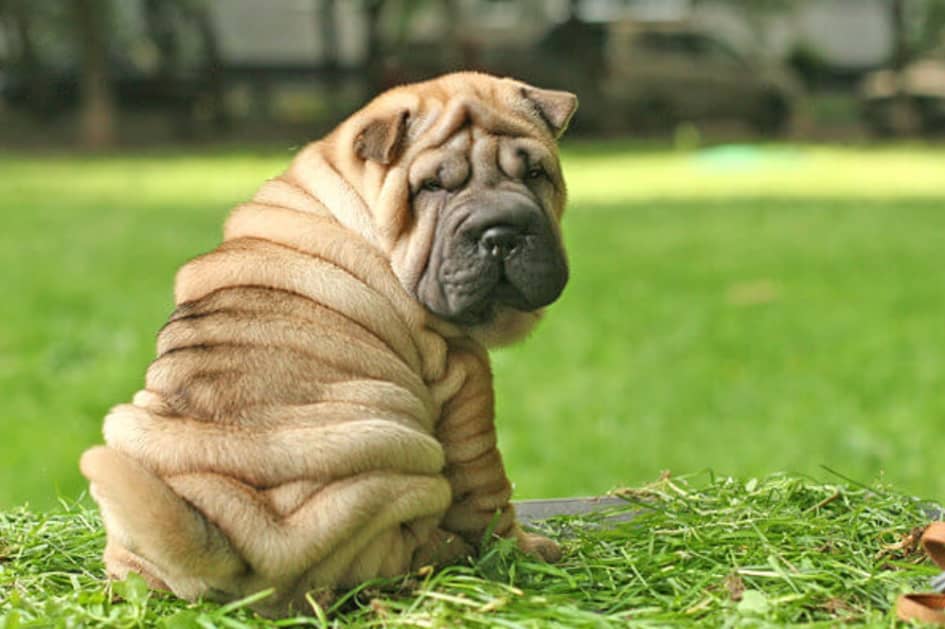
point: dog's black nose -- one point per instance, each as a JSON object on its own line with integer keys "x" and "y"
{"x": 500, "y": 241}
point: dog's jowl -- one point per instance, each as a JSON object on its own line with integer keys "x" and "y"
{"x": 320, "y": 411}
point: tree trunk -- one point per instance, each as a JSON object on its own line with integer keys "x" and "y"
{"x": 97, "y": 110}
{"x": 905, "y": 119}
{"x": 37, "y": 85}
{"x": 330, "y": 62}
{"x": 573, "y": 6}
{"x": 452, "y": 41}
{"x": 159, "y": 20}
{"x": 213, "y": 66}
{"x": 373, "y": 60}
{"x": 327, "y": 26}
{"x": 900, "y": 40}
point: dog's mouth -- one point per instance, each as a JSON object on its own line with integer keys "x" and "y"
{"x": 471, "y": 289}
{"x": 487, "y": 257}
{"x": 484, "y": 314}
{"x": 504, "y": 293}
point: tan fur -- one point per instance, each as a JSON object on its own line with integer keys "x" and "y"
{"x": 307, "y": 423}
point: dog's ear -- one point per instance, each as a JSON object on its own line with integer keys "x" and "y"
{"x": 554, "y": 107}
{"x": 380, "y": 140}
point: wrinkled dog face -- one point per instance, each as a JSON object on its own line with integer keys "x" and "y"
{"x": 496, "y": 243}
{"x": 470, "y": 196}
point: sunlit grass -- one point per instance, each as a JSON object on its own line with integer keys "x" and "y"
{"x": 720, "y": 552}
{"x": 753, "y": 172}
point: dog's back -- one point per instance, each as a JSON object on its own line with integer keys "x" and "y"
{"x": 285, "y": 435}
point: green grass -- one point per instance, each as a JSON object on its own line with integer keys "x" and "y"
{"x": 744, "y": 310}
{"x": 716, "y": 551}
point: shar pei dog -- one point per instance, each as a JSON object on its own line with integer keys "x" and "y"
{"x": 320, "y": 411}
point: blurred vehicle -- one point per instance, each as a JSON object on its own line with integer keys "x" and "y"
{"x": 913, "y": 101}
{"x": 661, "y": 74}
{"x": 638, "y": 77}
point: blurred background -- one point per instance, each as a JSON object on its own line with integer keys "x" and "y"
{"x": 100, "y": 73}
{"x": 756, "y": 228}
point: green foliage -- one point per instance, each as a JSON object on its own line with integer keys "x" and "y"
{"x": 716, "y": 551}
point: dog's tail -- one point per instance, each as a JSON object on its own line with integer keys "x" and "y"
{"x": 144, "y": 516}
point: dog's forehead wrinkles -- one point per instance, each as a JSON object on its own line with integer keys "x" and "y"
{"x": 447, "y": 161}
{"x": 503, "y": 106}
{"x": 484, "y": 160}
{"x": 465, "y": 110}
{"x": 423, "y": 121}
{"x": 517, "y": 155}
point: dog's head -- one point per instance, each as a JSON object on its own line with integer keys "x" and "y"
{"x": 462, "y": 178}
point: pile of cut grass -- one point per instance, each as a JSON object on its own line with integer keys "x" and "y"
{"x": 779, "y": 550}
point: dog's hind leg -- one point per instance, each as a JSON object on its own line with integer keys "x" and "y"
{"x": 153, "y": 531}
{"x": 120, "y": 562}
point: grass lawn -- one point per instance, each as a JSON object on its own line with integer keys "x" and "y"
{"x": 721, "y": 553}
{"x": 741, "y": 310}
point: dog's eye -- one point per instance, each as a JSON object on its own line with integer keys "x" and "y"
{"x": 535, "y": 172}
{"x": 432, "y": 185}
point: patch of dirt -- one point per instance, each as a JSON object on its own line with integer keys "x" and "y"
{"x": 735, "y": 587}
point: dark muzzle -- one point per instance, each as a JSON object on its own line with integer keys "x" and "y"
{"x": 492, "y": 251}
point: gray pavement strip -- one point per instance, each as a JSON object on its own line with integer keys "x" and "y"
{"x": 531, "y": 511}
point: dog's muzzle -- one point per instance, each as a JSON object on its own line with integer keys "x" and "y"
{"x": 497, "y": 249}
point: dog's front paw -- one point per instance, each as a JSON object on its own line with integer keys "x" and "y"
{"x": 538, "y": 546}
